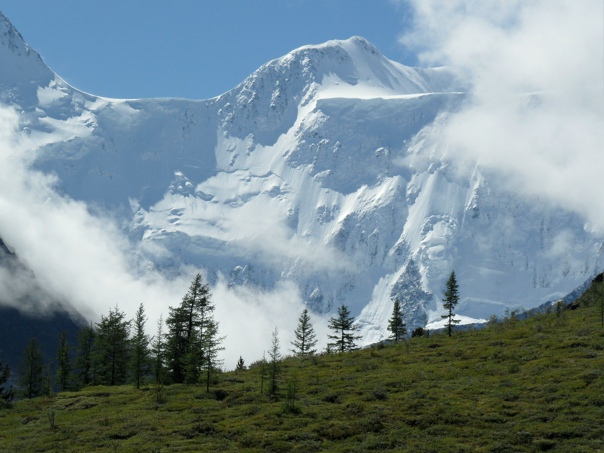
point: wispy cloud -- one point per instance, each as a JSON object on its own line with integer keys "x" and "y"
{"x": 249, "y": 316}
{"x": 76, "y": 256}
{"x": 85, "y": 260}
{"x": 537, "y": 108}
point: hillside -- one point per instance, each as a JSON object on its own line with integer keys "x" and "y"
{"x": 530, "y": 385}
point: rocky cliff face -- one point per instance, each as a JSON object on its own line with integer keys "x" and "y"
{"x": 321, "y": 168}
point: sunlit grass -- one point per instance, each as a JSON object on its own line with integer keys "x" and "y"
{"x": 534, "y": 385}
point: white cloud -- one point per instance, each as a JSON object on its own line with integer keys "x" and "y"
{"x": 537, "y": 112}
{"x": 249, "y": 316}
{"x": 86, "y": 261}
{"x": 77, "y": 257}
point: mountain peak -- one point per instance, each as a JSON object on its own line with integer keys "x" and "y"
{"x": 11, "y": 40}
{"x": 321, "y": 169}
{"x": 21, "y": 65}
{"x": 355, "y": 60}
{"x": 268, "y": 101}
{"x": 352, "y": 44}
{"x": 9, "y": 36}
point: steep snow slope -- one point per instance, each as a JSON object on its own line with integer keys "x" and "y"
{"x": 321, "y": 168}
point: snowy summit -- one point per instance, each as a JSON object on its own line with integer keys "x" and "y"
{"x": 321, "y": 169}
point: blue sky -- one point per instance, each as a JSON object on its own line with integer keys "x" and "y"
{"x": 191, "y": 48}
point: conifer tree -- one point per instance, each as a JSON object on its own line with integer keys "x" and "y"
{"x": 344, "y": 328}
{"x": 32, "y": 371}
{"x": 139, "y": 361}
{"x": 85, "y": 359}
{"x": 263, "y": 366}
{"x": 112, "y": 348}
{"x": 240, "y": 364}
{"x": 396, "y": 325}
{"x": 158, "y": 352}
{"x": 211, "y": 346}
{"x": 194, "y": 359}
{"x": 305, "y": 336}
{"x": 176, "y": 345}
{"x": 186, "y": 325}
{"x": 450, "y": 300}
{"x": 47, "y": 379}
{"x": 274, "y": 368}
{"x": 6, "y": 394}
{"x": 63, "y": 364}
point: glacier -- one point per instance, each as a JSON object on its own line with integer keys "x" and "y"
{"x": 323, "y": 168}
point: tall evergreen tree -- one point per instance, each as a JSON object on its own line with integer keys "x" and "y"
{"x": 85, "y": 359}
{"x": 6, "y": 394}
{"x": 139, "y": 360}
{"x": 396, "y": 325}
{"x": 305, "y": 336}
{"x": 450, "y": 300}
{"x": 158, "y": 353}
{"x": 344, "y": 328}
{"x": 186, "y": 325}
{"x": 274, "y": 365}
{"x": 211, "y": 347}
{"x": 176, "y": 345}
{"x": 63, "y": 364}
{"x": 240, "y": 364}
{"x": 194, "y": 360}
{"x": 32, "y": 372}
{"x": 47, "y": 379}
{"x": 112, "y": 348}
{"x": 263, "y": 367}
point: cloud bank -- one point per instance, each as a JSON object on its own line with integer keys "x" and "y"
{"x": 75, "y": 255}
{"x": 85, "y": 260}
{"x": 537, "y": 74}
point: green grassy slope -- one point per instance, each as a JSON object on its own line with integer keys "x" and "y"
{"x": 534, "y": 385}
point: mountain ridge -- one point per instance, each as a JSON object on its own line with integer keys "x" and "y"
{"x": 322, "y": 168}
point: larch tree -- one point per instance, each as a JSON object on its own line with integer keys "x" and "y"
{"x": 344, "y": 328}
{"x": 63, "y": 364}
{"x": 211, "y": 344}
{"x": 187, "y": 326}
{"x": 450, "y": 300}
{"x": 274, "y": 365}
{"x": 240, "y": 364}
{"x": 158, "y": 353}
{"x": 85, "y": 357}
{"x": 47, "y": 379}
{"x": 305, "y": 336}
{"x": 176, "y": 345}
{"x": 263, "y": 366}
{"x": 32, "y": 371}
{"x": 396, "y": 325}
{"x": 6, "y": 393}
{"x": 112, "y": 348}
{"x": 140, "y": 354}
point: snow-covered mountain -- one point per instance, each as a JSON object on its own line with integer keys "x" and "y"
{"x": 322, "y": 168}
